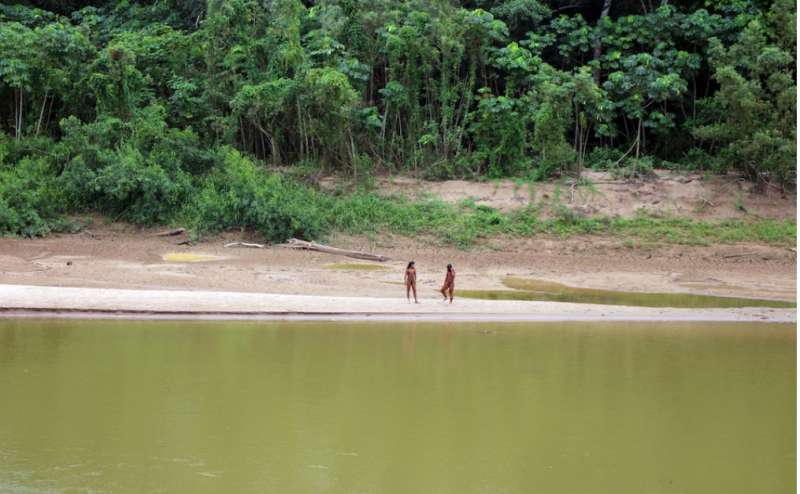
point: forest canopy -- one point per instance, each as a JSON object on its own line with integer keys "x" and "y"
{"x": 148, "y": 110}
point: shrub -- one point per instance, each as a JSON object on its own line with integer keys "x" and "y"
{"x": 29, "y": 199}
{"x": 138, "y": 190}
{"x": 602, "y": 158}
{"x": 238, "y": 194}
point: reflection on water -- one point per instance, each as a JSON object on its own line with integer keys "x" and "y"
{"x": 529, "y": 289}
{"x": 133, "y": 407}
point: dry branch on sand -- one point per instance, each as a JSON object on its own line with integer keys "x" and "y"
{"x": 170, "y": 233}
{"x": 302, "y": 244}
{"x": 743, "y": 254}
{"x": 245, "y": 244}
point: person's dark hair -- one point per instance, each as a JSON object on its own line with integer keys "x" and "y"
{"x": 410, "y": 264}
{"x": 449, "y": 267}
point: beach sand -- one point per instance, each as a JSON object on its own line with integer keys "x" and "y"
{"x": 126, "y": 269}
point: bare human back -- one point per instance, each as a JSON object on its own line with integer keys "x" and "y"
{"x": 449, "y": 283}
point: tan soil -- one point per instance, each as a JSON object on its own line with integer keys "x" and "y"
{"x": 184, "y": 304}
{"x": 123, "y": 256}
{"x": 668, "y": 193}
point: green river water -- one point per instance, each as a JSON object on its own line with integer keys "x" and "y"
{"x": 310, "y": 407}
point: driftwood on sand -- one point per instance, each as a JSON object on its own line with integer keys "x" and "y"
{"x": 245, "y": 244}
{"x": 302, "y": 244}
{"x": 170, "y": 233}
{"x": 743, "y": 254}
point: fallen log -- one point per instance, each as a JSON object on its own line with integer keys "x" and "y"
{"x": 170, "y": 233}
{"x": 744, "y": 254}
{"x": 302, "y": 244}
{"x": 245, "y": 244}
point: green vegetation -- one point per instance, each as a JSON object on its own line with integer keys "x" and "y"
{"x": 183, "y": 110}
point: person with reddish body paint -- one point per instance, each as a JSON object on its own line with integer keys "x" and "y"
{"x": 411, "y": 282}
{"x": 449, "y": 283}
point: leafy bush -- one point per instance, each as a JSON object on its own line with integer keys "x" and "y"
{"x": 602, "y": 158}
{"x": 752, "y": 121}
{"x": 139, "y": 190}
{"x": 29, "y": 200}
{"x": 498, "y": 130}
{"x": 240, "y": 195}
{"x": 633, "y": 168}
{"x": 699, "y": 159}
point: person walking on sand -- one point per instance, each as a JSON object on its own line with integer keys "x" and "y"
{"x": 411, "y": 282}
{"x": 449, "y": 283}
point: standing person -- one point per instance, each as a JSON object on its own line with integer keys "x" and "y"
{"x": 449, "y": 283}
{"x": 411, "y": 282}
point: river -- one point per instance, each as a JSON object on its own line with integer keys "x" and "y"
{"x": 322, "y": 407}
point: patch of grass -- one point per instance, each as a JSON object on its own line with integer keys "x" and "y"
{"x": 464, "y": 224}
{"x": 695, "y": 232}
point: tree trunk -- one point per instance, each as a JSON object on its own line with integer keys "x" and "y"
{"x": 598, "y": 45}
{"x": 301, "y": 125}
{"x": 638, "y": 145}
{"x": 273, "y": 144}
{"x": 49, "y": 112}
{"x": 353, "y": 159}
{"x": 19, "y": 113}
{"x": 41, "y": 113}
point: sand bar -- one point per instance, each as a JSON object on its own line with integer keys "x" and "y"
{"x": 39, "y": 301}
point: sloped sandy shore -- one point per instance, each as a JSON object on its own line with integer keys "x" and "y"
{"x": 22, "y": 300}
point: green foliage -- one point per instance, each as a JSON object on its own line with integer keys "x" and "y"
{"x": 752, "y": 116}
{"x": 138, "y": 189}
{"x": 29, "y": 199}
{"x": 499, "y": 131}
{"x": 238, "y": 194}
{"x": 552, "y": 118}
{"x": 134, "y": 108}
{"x": 509, "y": 88}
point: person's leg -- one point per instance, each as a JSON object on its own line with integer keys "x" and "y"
{"x": 408, "y": 291}
{"x": 443, "y": 291}
{"x": 414, "y": 288}
{"x": 450, "y": 291}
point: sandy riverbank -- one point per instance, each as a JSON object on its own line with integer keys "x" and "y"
{"x": 124, "y": 256}
{"x": 144, "y": 273}
{"x": 20, "y": 300}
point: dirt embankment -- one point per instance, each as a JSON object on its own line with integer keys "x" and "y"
{"x": 690, "y": 195}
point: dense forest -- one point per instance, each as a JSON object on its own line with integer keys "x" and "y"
{"x": 207, "y": 112}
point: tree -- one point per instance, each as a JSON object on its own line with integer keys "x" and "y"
{"x": 752, "y": 116}
{"x": 18, "y": 59}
